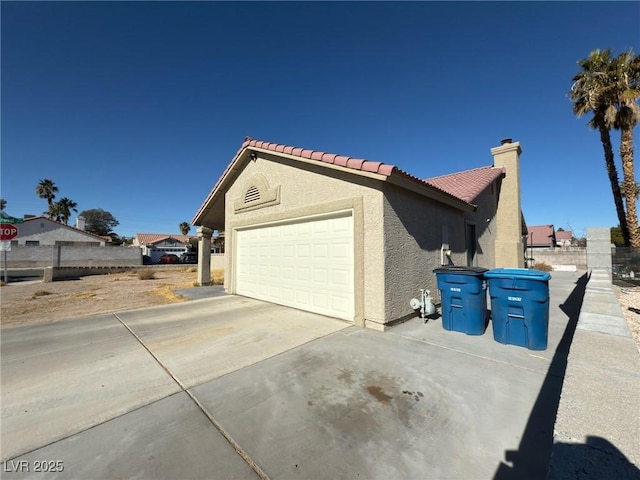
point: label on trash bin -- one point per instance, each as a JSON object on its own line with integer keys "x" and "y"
{"x": 455, "y": 289}
{"x": 514, "y": 299}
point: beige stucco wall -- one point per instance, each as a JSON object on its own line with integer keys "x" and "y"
{"x": 48, "y": 233}
{"x": 486, "y": 231}
{"x": 413, "y": 236}
{"x": 398, "y": 234}
{"x": 415, "y": 230}
{"x": 509, "y": 245}
{"x": 315, "y": 190}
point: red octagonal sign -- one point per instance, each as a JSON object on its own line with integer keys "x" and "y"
{"x": 8, "y": 231}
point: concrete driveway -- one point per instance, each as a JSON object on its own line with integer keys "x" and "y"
{"x": 230, "y": 387}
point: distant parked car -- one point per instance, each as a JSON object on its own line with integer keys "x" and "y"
{"x": 169, "y": 258}
{"x": 189, "y": 257}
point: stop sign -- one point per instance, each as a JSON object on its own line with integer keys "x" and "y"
{"x": 8, "y": 231}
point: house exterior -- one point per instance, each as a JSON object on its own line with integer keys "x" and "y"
{"x": 42, "y": 231}
{"x": 541, "y": 236}
{"x": 352, "y": 238}
{"x": 154, "y": 245}
{"x": 564, "y": 238}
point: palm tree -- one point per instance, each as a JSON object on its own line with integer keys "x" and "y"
{"x": 626, "y": 75}
{"x": 47, "y": 189}
{"x": 184, "y": 228}
{"x": 591, "y": 93}
{"x": 64, "y": 208}
{"x": 3, "y": 204}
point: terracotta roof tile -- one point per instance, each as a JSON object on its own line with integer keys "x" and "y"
{"x": 541, "y": 235}
{"x": 371, "y": 166}
{"x": 329, "y": 157}
{"x": 355, "y": 163}
{"x": 466, "y": 185}
{"x": 341, "y": 160}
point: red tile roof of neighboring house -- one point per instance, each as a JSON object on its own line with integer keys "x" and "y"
{"x": 563, "y": 235}
{"x": 449, "y": 187}
{"x": 469, "y": 184}
{"x": 32, "y": 219}
{"x": 150, "y": 238}
{"x": 541, "y": 235}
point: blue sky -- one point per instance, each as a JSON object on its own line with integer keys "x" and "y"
{"x": 137, "y": 107}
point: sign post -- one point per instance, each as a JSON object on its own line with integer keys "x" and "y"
{"x": 7, "y": 232}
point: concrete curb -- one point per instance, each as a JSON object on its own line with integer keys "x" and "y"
{"x": 597, "y": 429}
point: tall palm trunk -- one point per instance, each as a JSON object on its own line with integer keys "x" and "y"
{"x": 629, "y": 185}
{"x": 605, "y": 138}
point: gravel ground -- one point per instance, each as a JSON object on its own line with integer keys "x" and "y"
{"x": 629, "y": 300}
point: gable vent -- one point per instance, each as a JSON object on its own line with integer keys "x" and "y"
{"x": 252, "y": 194}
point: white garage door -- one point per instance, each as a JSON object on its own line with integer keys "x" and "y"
{"x": 306, "y": 265}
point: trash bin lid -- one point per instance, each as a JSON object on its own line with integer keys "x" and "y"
{"x": 518, "y": 273}
{"x": 461, "y": 270}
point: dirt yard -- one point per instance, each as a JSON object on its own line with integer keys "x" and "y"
{"x": 629, "y": 300}
{"x": 25, "y": 303}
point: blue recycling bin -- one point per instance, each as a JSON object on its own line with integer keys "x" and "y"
{"x": 519, "y": 306}
{"x": 464, "y": 299}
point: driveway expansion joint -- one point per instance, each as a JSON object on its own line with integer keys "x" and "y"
{"x": 238, "y": 449}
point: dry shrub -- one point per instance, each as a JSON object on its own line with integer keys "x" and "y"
{"x": 146, "y": 274}
{"x": 542, "y": 266}
{"x": 2, "y": 283}
{"x": 217, "y": 277}
{"x": 167, "y": 292}
{"x": 41, "y": 293}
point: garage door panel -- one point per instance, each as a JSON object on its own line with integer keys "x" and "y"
{"x": 307, "y": 265}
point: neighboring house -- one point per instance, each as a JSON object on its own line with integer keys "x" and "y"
{"x": 356, "y": 239}
{"x": 564, "y": 238}
{"x": 154, "y": 245}
{"x": 41, "y": 231}
{"x": 541, "y": 236}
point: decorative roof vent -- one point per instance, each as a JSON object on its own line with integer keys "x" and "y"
{"x": 253, "y": 194}
{"x": 257, "y": 194}
{"x": 504, "y": 141}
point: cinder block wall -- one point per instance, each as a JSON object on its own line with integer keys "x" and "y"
{"x": 58, "y": 256}
{"x": 217, "y": 261}
{"x": 599, "y": 249}
{"x": 560, "y": 257}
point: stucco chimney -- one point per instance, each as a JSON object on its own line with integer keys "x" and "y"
{"x": 80, "y": 223}
{"x": 509, "y": 247}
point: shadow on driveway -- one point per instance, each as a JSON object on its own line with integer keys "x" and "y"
{"x": 531, "y": 460}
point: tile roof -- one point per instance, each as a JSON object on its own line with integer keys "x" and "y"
{"x": 448, "y": 188}
{"x": 340, "y": 160}
{"x": 563, "y": 235}
{"x": 469, "y": 184}
{"x": 541, "y": 235}
{"x": 149, "y": 238}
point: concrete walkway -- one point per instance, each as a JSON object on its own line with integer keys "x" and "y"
{"x": 230, "y": 387}
{"x": 597, "y": 430}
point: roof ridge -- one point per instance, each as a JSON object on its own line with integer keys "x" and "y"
{"x": 354, "y": 163}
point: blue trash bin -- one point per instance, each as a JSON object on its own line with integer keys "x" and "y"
{"x": 464, "y": 299}
{"x": 519, "y": 306}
